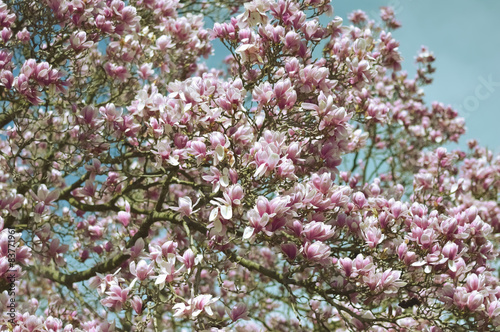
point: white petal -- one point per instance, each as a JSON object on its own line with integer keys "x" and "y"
{"x": 419, "y": 263}
{"x": 260, "y": 171}
{"x": 209, "y": 311}
{"x": 219, "y": 152}
{"x": 173, "y": 160}
{"x": 224, "y": 181}
{"x": 226, "y": 212}
{"x": 160, "y": 279}
{"x": 247, "y": 233}
{"x": 132, "y": 283}
{"x": 213, "y": 214}
{"x": 452, "y": 266}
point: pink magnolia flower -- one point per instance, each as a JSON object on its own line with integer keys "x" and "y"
{"x": 316, "y": 251}
{"x": 239, "y": 311}
{"x": 359, "y": 199}
{"x": 233, "y": 196}
{"x": 398, "y": 209}
{"x": 137, "y": 304}
{"x": 475, "y": 300}
{"x": 363, "y": 265}
{"x": 250, "y": 53}
{"x": 318, "y": 231}
{"x": 474, "y": 282}
{"x": 167, "y": 271}
{"x": 255, "y": 13}
{"x": 142, "y": 271}
{"x": 56, "y": 251}
{"x": 263, "y": 93}
{"x": 221, "y": 206}
{"x": 264, "y": 212}
{"x": 164, "y": 42}
{"x": 189, "y": 259}
{"x": 137, "y": 249}
{"x": 390, "y": 281}
{"x": 124, "y": 216}
{"x": 95, "y": 167}
{"x": 217, "y": 178}
{"x": 12, "y": 203}
{"x": 79, "y": 41}
{"x": 373, "y": 236}
{"x": 110, "y": 113}
{"x": 285, "y": 94}
{"x": 346, "y": 264}
{"x": 198, "y": 149}
{"x": 195, "y": 306}
{"x": 185, "y": 206}
{"x": 164, "y": 153}
{"x": 117, "y": 297}
{"x": 53, "y": 324}
{"x": 494, "y": 309}
{"x": 44, "y": 195}
{"x": 290, "y": 250}
{"x": 6, "y": 34}
{"x": 450, "y": 250}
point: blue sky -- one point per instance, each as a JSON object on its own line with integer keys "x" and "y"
{"x": 463, "y": 36}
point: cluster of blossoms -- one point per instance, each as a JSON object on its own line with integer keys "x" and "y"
{"x": 303, "y": 189}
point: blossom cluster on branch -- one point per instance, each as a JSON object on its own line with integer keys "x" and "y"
{"x": 304, "y": 189}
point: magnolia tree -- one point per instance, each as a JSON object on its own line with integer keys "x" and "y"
{"x": 305, "y": 188}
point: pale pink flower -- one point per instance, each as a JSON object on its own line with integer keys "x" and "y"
{"x": 185, "y": 206}
{"x": 195, "y": 306}
{"x": 44, "y": 195}
{"x": 167, "y": 272}
{"x": 239, "y": 311}
{"x": 142, "y": 271}
{"x": 217, "y": 178}
{"x": 373, "y": 236}
{"x": 475, "y": 300}
{"x": 79, "y": 41}
{"x": 124, "y": 216}
{"x": 318, "y": 231}
{"x": 116, "y": 298}
{"x": 250, "y": 53}
{"x": 137, "y": 304}
{"x": 255, "y": 13}
{"x": 390, "y": 281}
{"x": 189, "y": 259}
{"x": 316, "y": 251}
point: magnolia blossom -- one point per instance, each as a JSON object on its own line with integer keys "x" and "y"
{"x": 195, "y": 306}
{"x": 185, "y": 206}
{"x": 316, "y": 251}
{"x": 167, "y": 271}
{"x": 255, "y": 13}
{"x": 116, "y": 297}
{"x": 142, "y": 270}
{"x": 239, "y": 311}
{"x": 310, "y": 164}
{"x": 250, "y": 53}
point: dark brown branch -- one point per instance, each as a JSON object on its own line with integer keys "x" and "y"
{"x": 5, "y": 118}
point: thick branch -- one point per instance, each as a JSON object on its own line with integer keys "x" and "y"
{"x": 109, "y": 265}
{"x": 5, "y": 118}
